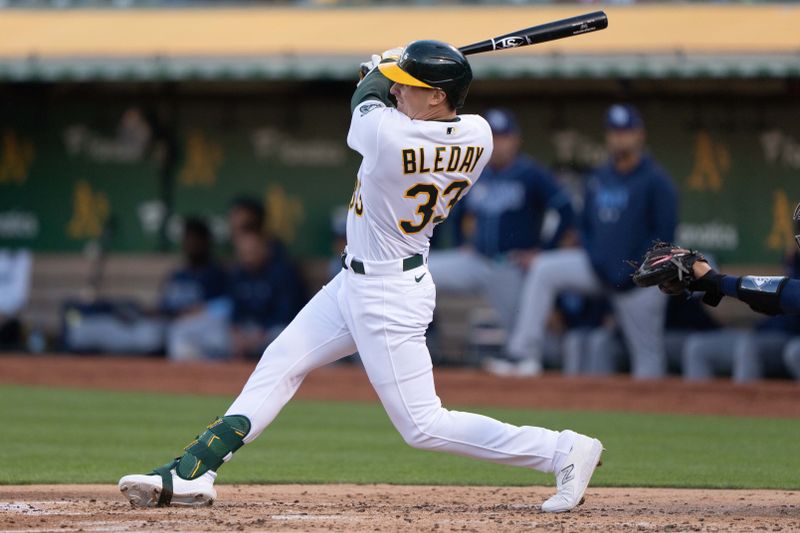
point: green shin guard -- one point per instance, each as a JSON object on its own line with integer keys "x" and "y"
{"x": 207, "y": 452}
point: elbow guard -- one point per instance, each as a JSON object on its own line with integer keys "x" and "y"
{"x": 762, "y": 293}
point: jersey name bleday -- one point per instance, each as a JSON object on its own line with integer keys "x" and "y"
{"x": 412, "y": 174}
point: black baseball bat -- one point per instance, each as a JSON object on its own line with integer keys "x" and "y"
{"x": 541, "y": 34}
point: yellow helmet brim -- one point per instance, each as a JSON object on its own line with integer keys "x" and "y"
{"x": 393, "y": 71}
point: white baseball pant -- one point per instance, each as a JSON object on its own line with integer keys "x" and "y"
{"x": 384, "y": 318}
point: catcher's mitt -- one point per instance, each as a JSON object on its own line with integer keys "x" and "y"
{"x": 668, "y": 266}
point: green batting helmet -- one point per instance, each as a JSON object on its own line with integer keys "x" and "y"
{"x": 432, "y": 65}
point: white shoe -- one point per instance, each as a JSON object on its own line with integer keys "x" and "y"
{"x": 504, "y": 367}
{"x": 147, "y": 490}
{"x": 574, "y": 476}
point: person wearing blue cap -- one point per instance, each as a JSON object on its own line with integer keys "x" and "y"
{"x": 630, "y": 202}
{"x": 507, "y": 207}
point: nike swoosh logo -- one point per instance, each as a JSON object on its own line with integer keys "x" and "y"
{"x": 418, "y": 279}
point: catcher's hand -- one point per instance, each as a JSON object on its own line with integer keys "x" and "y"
{"x": 673, "y": 269}
{"x": 668, "y": 266}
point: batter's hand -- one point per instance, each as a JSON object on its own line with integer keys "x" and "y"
{"x": 368, "y": 66}
{"x": 393, "y": 54}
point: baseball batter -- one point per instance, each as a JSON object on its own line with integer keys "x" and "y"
{"x": 419, "y": 159}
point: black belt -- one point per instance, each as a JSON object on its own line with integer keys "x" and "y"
{"x": 409, "y": 263}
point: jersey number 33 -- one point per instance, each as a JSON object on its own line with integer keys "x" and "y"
{"x": 429, "y": 194}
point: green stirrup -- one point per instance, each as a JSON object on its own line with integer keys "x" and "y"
{"x": 165, "y": 472}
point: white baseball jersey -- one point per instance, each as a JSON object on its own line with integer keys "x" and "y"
{"x": 412, "y": 174}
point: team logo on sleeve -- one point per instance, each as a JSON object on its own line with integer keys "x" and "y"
{"x": 366, "y": 108}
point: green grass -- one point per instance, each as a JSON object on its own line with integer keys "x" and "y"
{"x": 77, "y": 436}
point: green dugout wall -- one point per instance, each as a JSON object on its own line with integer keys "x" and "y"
{"x": 75, "y": 158}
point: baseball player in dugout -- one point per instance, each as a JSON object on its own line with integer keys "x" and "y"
{"x": 630, "y": 202}
{"x": 419, "y": 157}
{"x": 506, "y": 209}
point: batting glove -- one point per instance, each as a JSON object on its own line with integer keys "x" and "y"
{"x": 392, "y": 54}
{"x": 368, "y": 66}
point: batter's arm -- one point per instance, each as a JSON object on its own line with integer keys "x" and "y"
{"x": 375, "y": 86}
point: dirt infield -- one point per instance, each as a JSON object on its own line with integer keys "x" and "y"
{"x": 387, "y": 508}
{"x": 455, "y": 386}
{"x": 404, "y": 508}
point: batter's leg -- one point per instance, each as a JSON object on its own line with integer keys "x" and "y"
{"x": 318, "y": 335}
{"x": 388, "y": 318}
